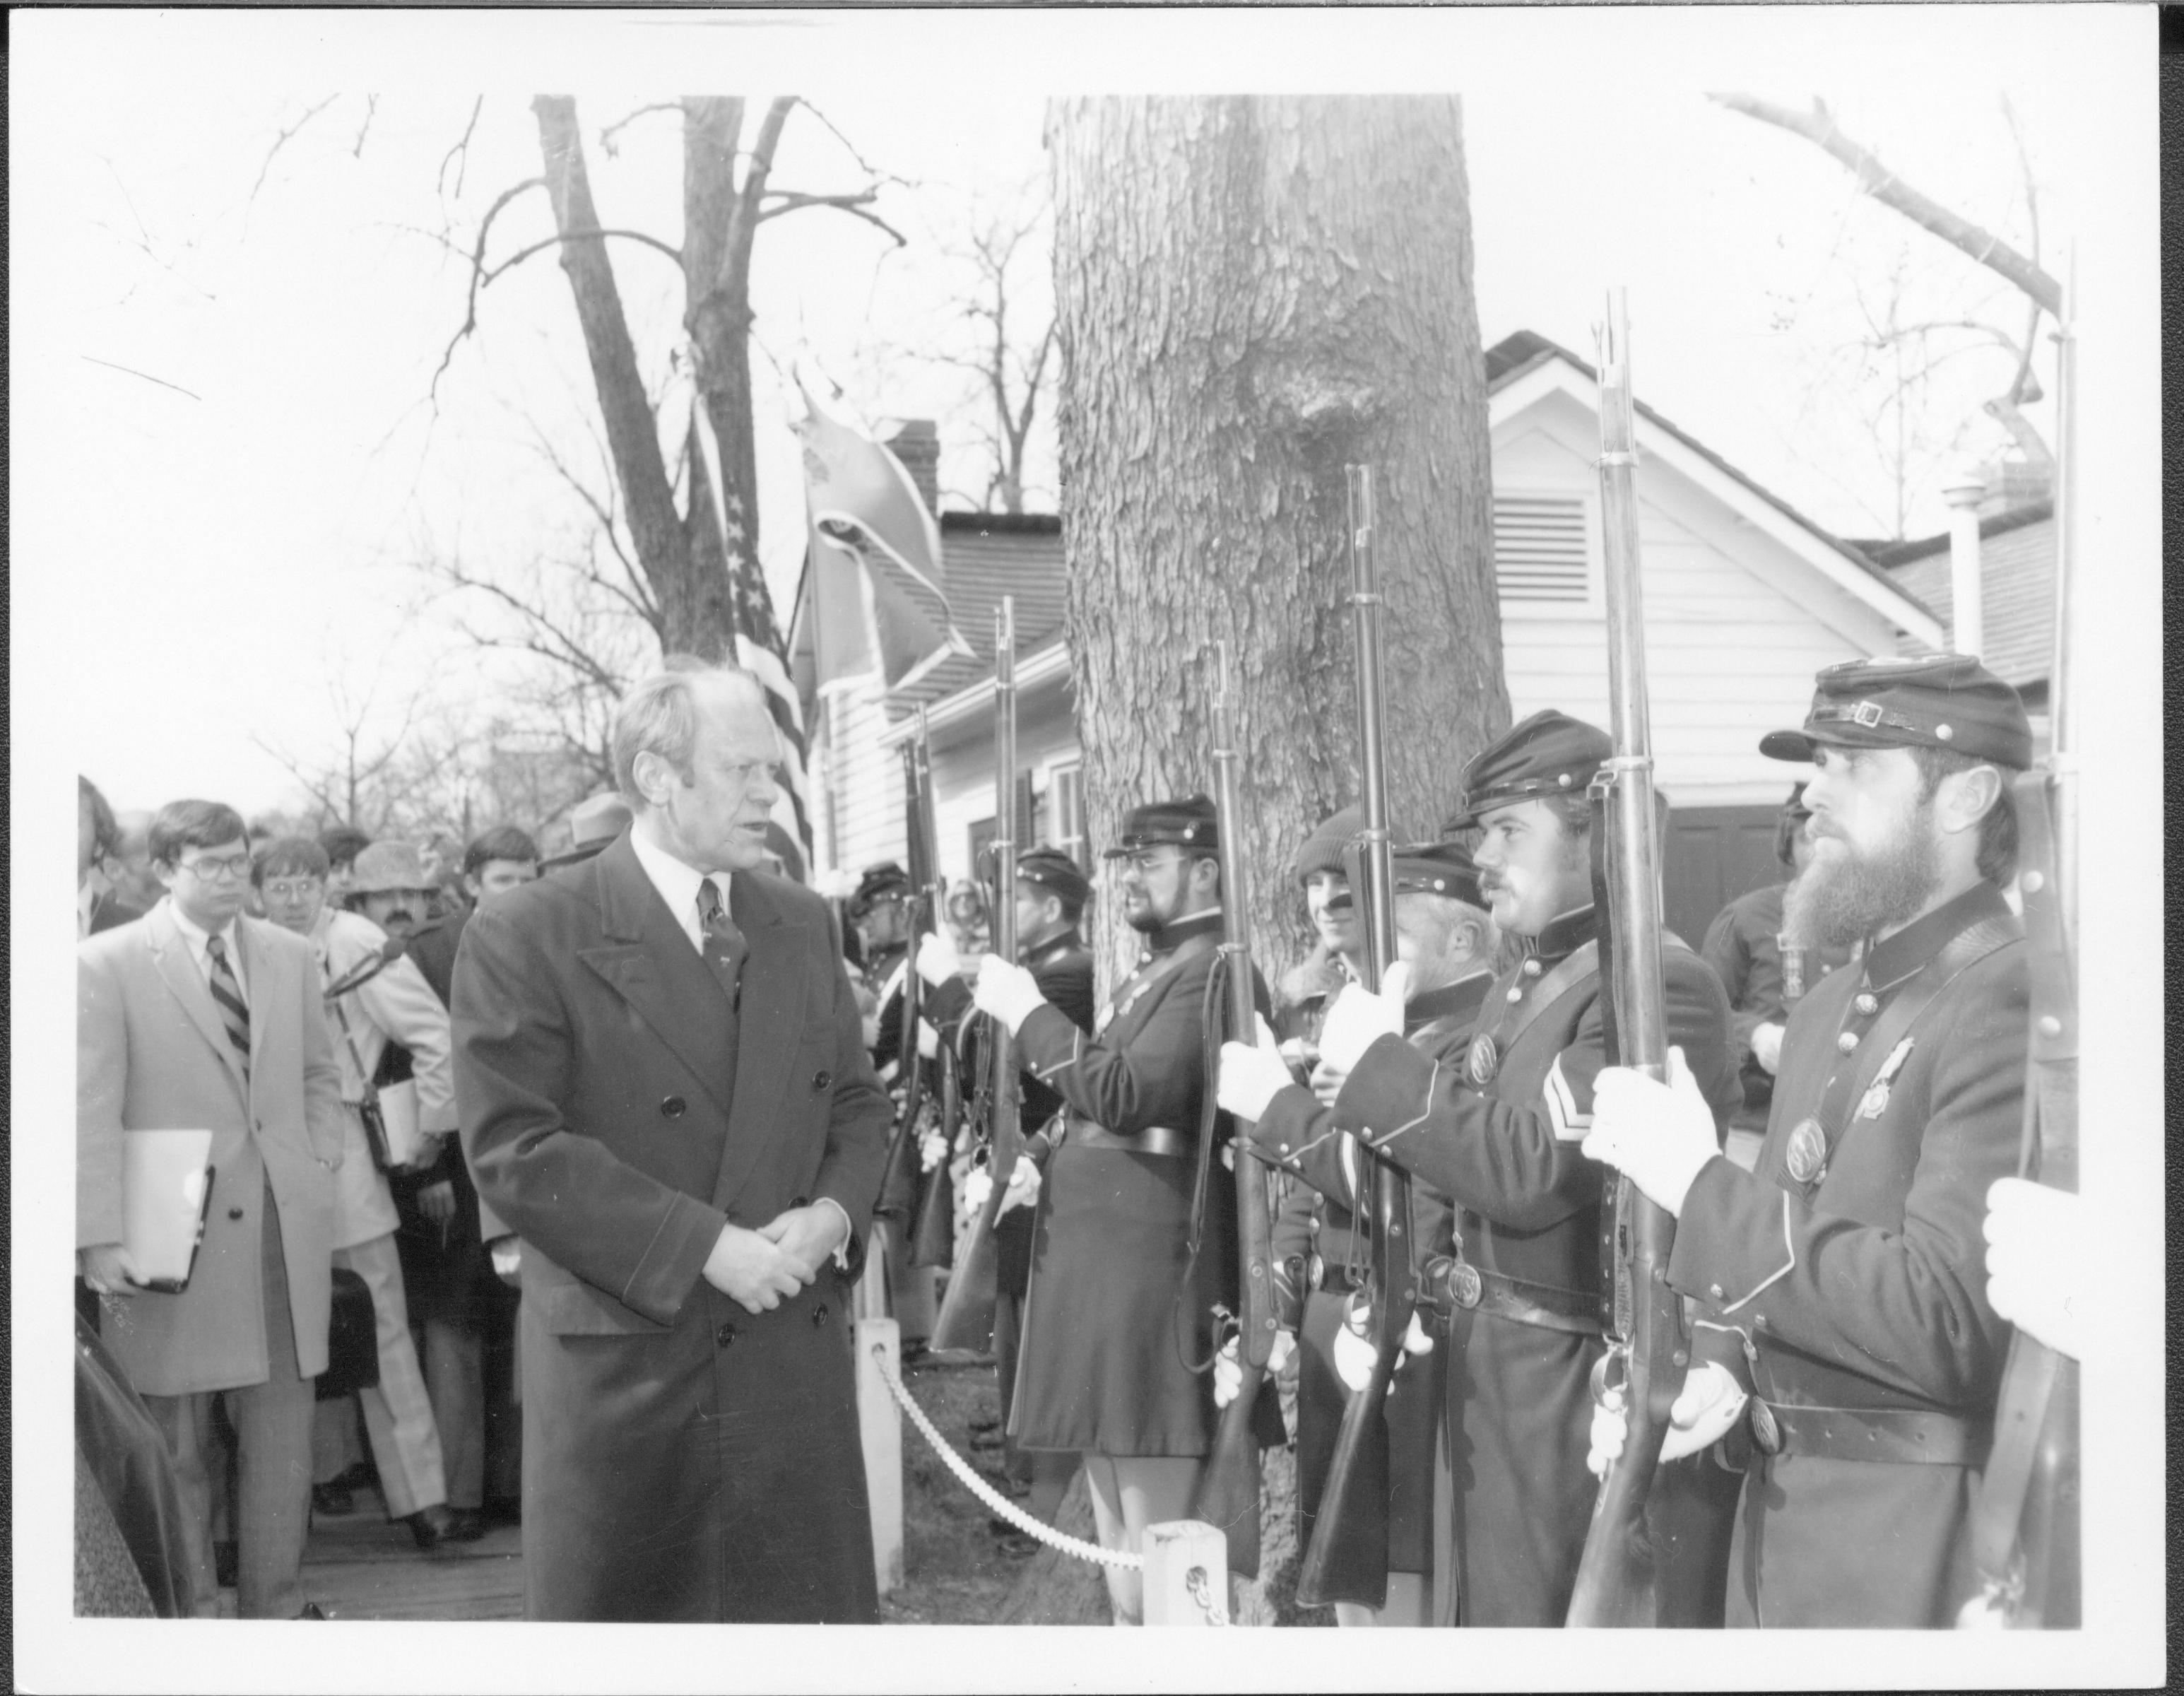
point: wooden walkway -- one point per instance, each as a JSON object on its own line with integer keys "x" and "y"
{"x": 361, "y": 1566}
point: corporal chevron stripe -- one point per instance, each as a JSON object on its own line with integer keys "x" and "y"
{"x": 227, "y": 997}
{"x": 759, "y": 648}
{"x": 1562, "y": 1113}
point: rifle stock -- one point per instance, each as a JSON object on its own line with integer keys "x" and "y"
{"x": 1229, "y": 1489}
{"x": 1347, "y": 1558}
{"x": 1618, "y": 1577}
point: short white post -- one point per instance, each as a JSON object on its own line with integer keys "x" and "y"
{"x": 880, "y": 1422}
{"x": 1963, "y": 491}
{"x": 1186, "y": 1574}
{"x": 872, "y": 1295}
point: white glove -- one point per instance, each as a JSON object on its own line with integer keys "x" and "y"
{"x": 1023, "y": 1184}
{"x": 977, "y": 1185}
{"x": 937, "y": 958}
{"x": 1658, "y": 1135}
{"x": 1252, "y": 1074}
{"x": 1358, "y": 1018}
{"x": 1767, "y": 1046}
{"x": 1415, "y": 1339}
{"x": 507, "y": 1259}
{"x": 1702, "y": 1413}
{"x": 2034, "y": 1248}
{"x": 1354, "y": 1356}
{"x": 1228, "y": 1369}
{"x": 929, "y": 1040}
{"x": 931, "y": 1150}
{"x": 1005, "y": 990}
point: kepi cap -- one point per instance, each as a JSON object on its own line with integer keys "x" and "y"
{"x": 1054, "y": 871}
{"x": 1429, "y": 868}
{"x": 1187, "y": 823}
{"x": 1943, "y": 700}
{"x": 879, "y": 884}
{"x": 1548, "y": 754}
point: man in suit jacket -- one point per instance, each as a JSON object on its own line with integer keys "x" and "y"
{"x": 98, "y": 904}
{"x": 200, "y": 1018}
{"x": 664, "y": 1090}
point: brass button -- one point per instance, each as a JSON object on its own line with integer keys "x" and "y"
{"x": 1867, "y": 1003}
{"x": 1532, "y": 969}
{"x": 725, "y": 1336}
{"x": 1715, "y": 1291}
{"x": 821, "y": 1081}
{"x": 673, "y": 1107}
{"x": 819, "y": 1315}
{"x": 1516, "y": 992}
{"x": 1846, "y": 1041}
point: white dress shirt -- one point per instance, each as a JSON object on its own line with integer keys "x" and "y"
{"x": 678, "y": 884}
{"x": 197, "y": 936}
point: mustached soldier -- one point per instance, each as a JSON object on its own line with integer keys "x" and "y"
{"x": 1499, "y": 1134}
{"x": 1118, "y": 1312}
{"x": 1845, "y": 1268}
{"x": 1445, "y": 935}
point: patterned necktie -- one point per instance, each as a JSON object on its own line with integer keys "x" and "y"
{"x": 724, "y": 946}
{"x": 227, "y": 997}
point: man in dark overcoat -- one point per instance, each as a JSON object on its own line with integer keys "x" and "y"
{"x": 666, "y": 1094}
{"x": 1498, "y": 1133}
{"x": 1840, "y": 1281}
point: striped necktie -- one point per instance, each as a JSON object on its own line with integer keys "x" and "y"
{"x": 227, "y": 997}
{"x": 724, "y": 947}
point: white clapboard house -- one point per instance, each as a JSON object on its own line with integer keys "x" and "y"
{"x": 1744, "y": 600}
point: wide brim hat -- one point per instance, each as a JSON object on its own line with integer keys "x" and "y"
{"x": 386, "y": 866}
{"x": 593, "y": 822}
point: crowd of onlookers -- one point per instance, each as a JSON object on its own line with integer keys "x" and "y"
{"x": 436, "y": 1430}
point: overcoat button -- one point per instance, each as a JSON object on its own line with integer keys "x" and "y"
{"x": 725, "y": 1336}
{"x": 822, "y": 1080}
{"x": 1846, "y": 1041}
{"x": 673, "y": 1107}
{"x": 235, "y": 1213}
{"x": 1715, "y": 1291}
{"x": 819, "y": 1315}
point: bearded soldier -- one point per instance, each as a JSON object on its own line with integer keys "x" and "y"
{"x": 1843, "y": 1274}
{"x": 1498, "y": 1134}
{"x": 1448, "y": 941}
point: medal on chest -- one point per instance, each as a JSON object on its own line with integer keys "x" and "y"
{"x": 1484, "y": 1060}
{"x": 1875, "y": 1102}
{"x": 1807, "y": 1152}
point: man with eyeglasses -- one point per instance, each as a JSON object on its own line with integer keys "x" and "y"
{"x": 202, "y": 1017}
{"x": 665, "y": 1092}
{"x": 1118, "y": 1310}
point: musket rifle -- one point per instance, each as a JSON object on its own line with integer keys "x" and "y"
{"x": 1229, "y": 1488}
{"x": 966, "y": 1318}
{"x": 1347, "y": 1559}
{"x": 1617, "y": 1578}
{"x": 2025, "y": 1536}
{"x": 924, "y": 905}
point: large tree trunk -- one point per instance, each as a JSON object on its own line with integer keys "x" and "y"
{"x": 1252, "y": 291}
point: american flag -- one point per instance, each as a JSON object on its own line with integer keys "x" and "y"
{"x": 759, "y": 648}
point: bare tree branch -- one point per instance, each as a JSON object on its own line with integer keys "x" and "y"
{"x": 849, "y": 147}
{"x": 459, "y": 154}
{"x": 280, "y": 141}
{"x": 1875, "y": 179}
{"x": 370, "y": 108}
{"x": 854, "y": 204}
{"x": 132, "y": 371}
{"x": 477, "y": 269}
{"x": 607, "y": 135}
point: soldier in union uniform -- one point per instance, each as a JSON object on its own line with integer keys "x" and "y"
{"x": 1119, "y": 1315}
{"x": 1498, "y": 1132}
{"x": 1442, "y": 930}
{"x": 1840, "y": 1281}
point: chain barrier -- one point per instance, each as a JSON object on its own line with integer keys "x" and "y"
{"x": 1200, "y": 1587}
{"x": 999, "y": 1503}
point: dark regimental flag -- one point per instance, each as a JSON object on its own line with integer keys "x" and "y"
{"x": 758, "y": 646}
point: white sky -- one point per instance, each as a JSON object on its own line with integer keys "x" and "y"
{"x": 187, "y": 573}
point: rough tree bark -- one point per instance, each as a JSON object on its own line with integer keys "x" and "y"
{"x": 1252, "y": 292}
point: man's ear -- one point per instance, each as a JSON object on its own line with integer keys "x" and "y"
{"x": 1966, "y": 797}
{"x": 1205, "y": 876}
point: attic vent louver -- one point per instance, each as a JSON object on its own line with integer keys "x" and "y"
{"x": 1539, "y": 548}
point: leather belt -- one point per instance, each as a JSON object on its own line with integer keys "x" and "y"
{"x": 1892, "y": 1433}
{"x": 1154, "y": 1139}
{"x": 1457, "y": 1284}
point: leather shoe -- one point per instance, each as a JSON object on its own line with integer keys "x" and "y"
{"x": 437, "y": 1524}
{"x": 332, "y": 1500}
{"x": 467, "y": 1524}
{"x": 227, "y": 1564}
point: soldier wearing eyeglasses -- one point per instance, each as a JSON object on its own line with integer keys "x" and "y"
{"x": 1119, "y": 1311}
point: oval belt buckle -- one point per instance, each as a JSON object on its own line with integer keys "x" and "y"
{"x": 1808, "y": 1150}
{"x": 1765, "y": 1431}
{"x": 1317, "y": 1270}
{"x": 1465, "y": 1284}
